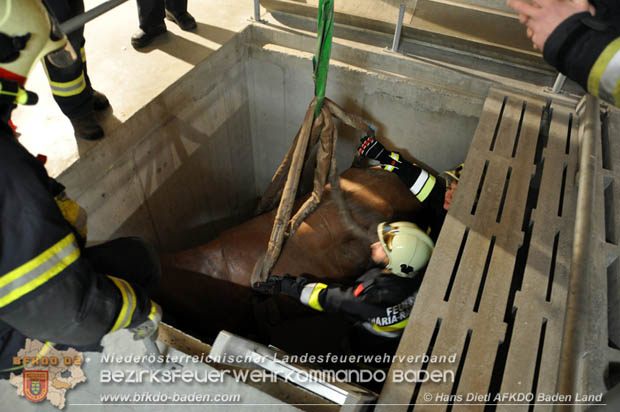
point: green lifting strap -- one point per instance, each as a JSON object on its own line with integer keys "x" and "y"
{"x": 320, "y": 61}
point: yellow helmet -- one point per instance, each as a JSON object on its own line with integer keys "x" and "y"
{"x": 408, "y": 248}
{"x": 453, "y": 175}
{"x": 29, "y": 32}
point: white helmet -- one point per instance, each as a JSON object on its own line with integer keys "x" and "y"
{"x": 408, "y": 248}
{"x": 31, "y": 33}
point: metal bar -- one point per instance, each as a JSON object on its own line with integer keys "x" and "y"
{"x": 399, "y": 28}
{"x": 78, "y": 21}
{"x": 559, "y": 83}
{"x": 575, "y": 324}
{"x": 257, "y": 10}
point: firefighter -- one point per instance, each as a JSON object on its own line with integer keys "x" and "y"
{"x": 151, "y": 16}
{"x": 579, "y": 38}
{"x": 382, "y": 298}
{"x": 71, "y": 85}
{"x": 52, "y": 287}
{"x": 434, "y": 194}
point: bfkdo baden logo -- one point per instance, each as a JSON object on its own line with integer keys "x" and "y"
{"x": 35, "y": 385}
{"x": 47, "y": 373}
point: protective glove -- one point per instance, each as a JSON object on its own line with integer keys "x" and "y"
{"x": 150, "y": 325}
{"x": 287, "y": 284}
{"x": 370, "y": 147}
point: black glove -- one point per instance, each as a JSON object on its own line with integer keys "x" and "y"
{"x": 286, "y": 284}
{"x": 370, "y": 147}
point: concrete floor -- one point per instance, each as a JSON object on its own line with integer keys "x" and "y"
{"x": 128, "y": 77}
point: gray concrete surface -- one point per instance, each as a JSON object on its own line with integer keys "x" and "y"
{"x": 128, "y": 77}
{"x": 202, "y": 119}
{"x": 157, "y": 174}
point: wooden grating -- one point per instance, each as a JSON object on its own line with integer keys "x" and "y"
{"x": 494, "y": 293}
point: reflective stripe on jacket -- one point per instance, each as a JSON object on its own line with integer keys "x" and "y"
{"x": 381, "y": 300}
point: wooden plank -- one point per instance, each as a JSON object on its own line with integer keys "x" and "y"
{"x": 530, "y": 128}
{"x": 442, "y": 265}
{"x": 488, "y": 121}
{"x": 479, "y": 284}
{"x": 451, "y": 339}
{"x": 496, "y": 290}
{"x": 504, "y": 141}
{"x": 535, "y": 306}
{"x": 478, "y": 368}
{"x": 469, "y": 186}
{"x": 469, "y": 273}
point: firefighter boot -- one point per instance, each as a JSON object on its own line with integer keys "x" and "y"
{"x": 143, "y": 38}
{"x": 86, "y": 127}
{"x": 100, "y": 102}
{"x": 183, "y": 19}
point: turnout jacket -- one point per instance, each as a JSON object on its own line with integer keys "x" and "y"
{"x": 586, "y": 49}
{"x": 381, "y": 300}
{"x": 48, "y": 290}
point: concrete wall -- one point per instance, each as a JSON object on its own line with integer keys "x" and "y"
{"x": 426, "y": 113}
{"x": 193, "y": 161}
{"x": 179, "y": 169}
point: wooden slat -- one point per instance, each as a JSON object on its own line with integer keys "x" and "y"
{"x": 511, "y": 118}
{"x": 475, "y": 309}
{"x": 533, "y": 309}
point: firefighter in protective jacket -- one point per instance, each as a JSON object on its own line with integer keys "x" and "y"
{"x": 579, "y": 38}
{"x": 382, "y": 298}
{"x": 52, "y": 287}
{"x": 435, "y": 194}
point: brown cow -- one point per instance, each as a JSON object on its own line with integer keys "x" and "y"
{"x": 207, "y": 288}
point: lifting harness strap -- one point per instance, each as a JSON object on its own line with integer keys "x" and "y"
{"x": 318, "y": 126}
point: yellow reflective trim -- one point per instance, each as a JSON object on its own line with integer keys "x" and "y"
{"x": 121, "y": 315}
{"x": 153, "y": 312}
{"x": 391, "y": 328}
{"x": 389, "y": 168}
{"x": 313, "y": 302}
{"x": 594, "y": 78}
{"x": 73, "y": 82}
{"x": 83, "y": 54}
{"x": 122, "y": 321}
{"x": 426, "y": 190}
{"x": 65, "y": 89}
{"x": 37, "y": 261}
{"x": 42, "y": 278}
{"x": 133, "y": 306}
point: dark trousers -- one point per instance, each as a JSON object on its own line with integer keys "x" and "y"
{"x": 70, "y": 85}
{"x": 129, "y": 258}
{"x": 151, "y": 12}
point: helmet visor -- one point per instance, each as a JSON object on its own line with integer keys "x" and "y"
{"x": 388, "y": 232}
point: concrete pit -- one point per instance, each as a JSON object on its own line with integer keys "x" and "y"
{"x": 194, "y": 161}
